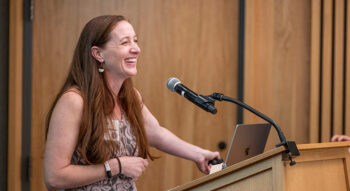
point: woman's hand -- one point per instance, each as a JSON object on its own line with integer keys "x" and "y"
{"x": 338, "y": 138}
{"x": 203, "y": 158}
{"x": 133, "y": 166}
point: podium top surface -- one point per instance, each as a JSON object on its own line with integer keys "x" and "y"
{"x": 258, "y": 158}
{"x": 323, "y": 145}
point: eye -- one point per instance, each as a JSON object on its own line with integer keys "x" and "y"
{"x": 124, "y": 42}
{"x": 136, "y": 41}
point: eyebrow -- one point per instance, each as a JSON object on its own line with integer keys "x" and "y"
{"x": 127, "y": 37}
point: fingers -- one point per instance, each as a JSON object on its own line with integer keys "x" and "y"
{"x": 340, "y": 138}
{"x": 208, "y": 155}
{"x": 335, "y": 138}
{"x": 140, "y": 165}
{"x": 133, "y": 166}
{"x": 217, "y": 155}
{"x": 214, "y": 155}
{"x": 344, "y": 138}
{"x": 205, "y": 168}
{"x": 145, "y": 161}
{"x": 145, "y": 164}
{"x": 202, "y": 164}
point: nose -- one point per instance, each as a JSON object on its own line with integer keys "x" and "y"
{"x": 135, "y": 48}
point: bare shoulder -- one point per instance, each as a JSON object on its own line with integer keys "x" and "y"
{"x": 71, "y": 100}
{"x": 66, "y": 116}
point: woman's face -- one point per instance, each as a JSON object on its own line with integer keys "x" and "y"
{"x": 121, "y": 51}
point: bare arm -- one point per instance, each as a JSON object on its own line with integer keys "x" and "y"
{"x": 164, "y": 140}
{"x": 62, "y": 139}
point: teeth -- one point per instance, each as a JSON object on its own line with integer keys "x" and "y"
{"x": 131, "y": 60}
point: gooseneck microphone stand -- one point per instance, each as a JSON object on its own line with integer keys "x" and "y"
{"x": 292, "y": 149}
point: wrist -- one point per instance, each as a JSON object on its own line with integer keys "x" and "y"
{"x": 113, "y": 163}
{"x": 199, "y": 156}
{"x": 119, "y": 166}
{"x": 108, "y": 169}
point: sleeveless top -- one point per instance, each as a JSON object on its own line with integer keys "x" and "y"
{"x": 121, "y": 132}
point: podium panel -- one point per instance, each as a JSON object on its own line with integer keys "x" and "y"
{"x": 253, "y": 183}
{"x": 323, "y": 166}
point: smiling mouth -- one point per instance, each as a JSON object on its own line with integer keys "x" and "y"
{"x": 130, "y": 60}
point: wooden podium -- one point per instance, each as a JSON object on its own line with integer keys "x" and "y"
{"x": 321, "y": 166}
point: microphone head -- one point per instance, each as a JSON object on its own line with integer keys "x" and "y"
{"x": 171, "y": 83}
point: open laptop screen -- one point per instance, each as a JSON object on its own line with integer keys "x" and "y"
{"x": 248, "y": 140}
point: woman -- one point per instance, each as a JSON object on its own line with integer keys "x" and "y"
{"x": 98, "y": 129}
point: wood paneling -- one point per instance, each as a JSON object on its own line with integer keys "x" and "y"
{"x": 277, "y": 61}
{"x": 326, "y": 72}
{"x": 15, "y": 96}
{"x": 329, "y": 97}
{"x": 347, "y": 71}
{"x": 338, "y": 78}
{"x": 319, "y": 167}
{"x": 4, "y": 84}
{"x": 55, "y": 31}
{"x": 315, "y": 70}
{"x": 195, "y": 41}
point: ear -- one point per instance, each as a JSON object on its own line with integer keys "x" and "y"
{"x": 97, "y": 54}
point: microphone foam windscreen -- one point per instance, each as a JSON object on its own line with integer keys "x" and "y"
{"x": 171, "y": 83}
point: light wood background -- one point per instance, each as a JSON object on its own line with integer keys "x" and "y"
{"x": 287, "y": 43}
{"x": 195, "y": 41}
{"x": 277, "y": 65}
{"x": 15, "y": 96}
{"x": 330, "y": 70}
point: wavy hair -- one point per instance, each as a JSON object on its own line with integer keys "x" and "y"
{"x": 98, "y": 98}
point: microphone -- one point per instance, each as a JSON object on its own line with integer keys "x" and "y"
{"x": 292, "y": 149}
{"x": 203, "y": 102}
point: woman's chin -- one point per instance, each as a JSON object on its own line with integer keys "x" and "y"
{"x": 131, "y": 73}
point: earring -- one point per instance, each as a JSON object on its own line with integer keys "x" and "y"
{"x": 101, "y": 69}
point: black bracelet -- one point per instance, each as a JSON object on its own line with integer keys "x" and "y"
{"x": 120, "y": 166}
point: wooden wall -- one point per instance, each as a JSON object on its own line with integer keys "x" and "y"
{"x": 15, "y": 96}
{"x": 4, "y": 84}
{"x": 330, "y": 70}
{"x": 195, "y": 41}
{"x": 296, "y": 66}
{"x": 277, "y": 65}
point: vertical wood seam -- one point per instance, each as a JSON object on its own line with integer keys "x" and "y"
{"x": 314, "y": 127}
{"x": 15, "y": 96}
{"x": 345, "y": 64}
{"x": 331, "y": 129}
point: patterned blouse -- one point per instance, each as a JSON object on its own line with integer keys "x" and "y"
{"x": 121, "y": 132}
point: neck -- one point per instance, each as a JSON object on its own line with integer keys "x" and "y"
{"x": 115, "y": 83}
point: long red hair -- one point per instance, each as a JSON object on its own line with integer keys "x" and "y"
{"x": 98, "y": 98}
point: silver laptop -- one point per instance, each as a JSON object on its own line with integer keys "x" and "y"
{"x": 248, "y": 140}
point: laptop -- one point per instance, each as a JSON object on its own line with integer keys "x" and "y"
{"x": 248, "y": 141}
